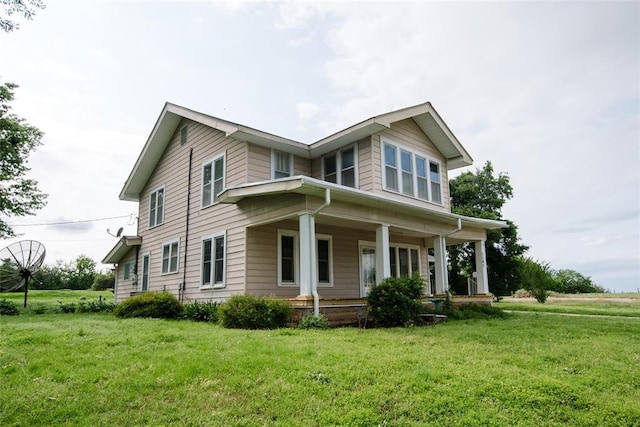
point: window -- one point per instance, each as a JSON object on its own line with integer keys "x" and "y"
{"x": 213, "y": 256}
{"x": 406, "y": 172}
{"x": 404, "y": 260}
{"x": 288, "y": 262}
{"x": 390, "y": 167}
{"x": 324, "y": 266}
{"x": 129, "y": 270}
{"x": 212, "y": 180}
{"x": 281, "y": 164}
{"x": 183, "y": 135}
{"x": 145, "y": 271}
{"x": 340, "y": 167}
{"x": 287, "y": 258}
{"x": 434, "y": 175}
{"x": 156, "y": 207}
{"x": 170, "y": 253}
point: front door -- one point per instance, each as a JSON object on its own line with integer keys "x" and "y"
{"x": 367, "y": 269}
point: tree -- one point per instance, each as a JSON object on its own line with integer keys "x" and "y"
{"x": 19, "y": 196}
{"x": 24, "y": 7}
{"x": 78, "y": 275}
{"x": 536, "y": 277}
{"x": 483, "y": 194}
{"x": 572, "y": 282}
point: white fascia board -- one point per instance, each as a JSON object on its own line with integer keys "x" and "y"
{"x": 313, "y": 186}
{"x": 347, "y": 136}
{"x": 121, "y": 248}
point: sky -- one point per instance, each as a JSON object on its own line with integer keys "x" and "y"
{"x": 549, "y": 92}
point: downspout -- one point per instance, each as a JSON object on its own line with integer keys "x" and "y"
{"x": 314, "y": 283}
{"x": 183, "y": 285}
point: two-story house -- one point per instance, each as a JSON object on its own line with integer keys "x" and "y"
{"x": 227, "y": 209}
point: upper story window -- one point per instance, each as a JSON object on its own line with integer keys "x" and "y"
{"x": 411, "y": 173}
{"x": 340, "y": 167}
{"x": 156, "y": 207}
{"x": 212, "y": 180}
{"x": 183, "y": 135}
{"x": 281, "y": 164}
{"x": 213, "y": 261}
{"x": 170, "y": 254}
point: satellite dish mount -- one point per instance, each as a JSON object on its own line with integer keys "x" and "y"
{"x": 18, "y": 263}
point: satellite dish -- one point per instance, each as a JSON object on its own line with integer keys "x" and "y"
{"x": 118, "y": 233}
{"x": 18, "y": 262}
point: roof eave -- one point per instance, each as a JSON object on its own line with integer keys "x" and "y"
{"x": 121, "y": 248}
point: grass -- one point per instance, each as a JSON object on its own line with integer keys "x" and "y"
{"x": 95, "y": 369}
{"x": 627, "y": 305}
{"x": 40, "y": 302}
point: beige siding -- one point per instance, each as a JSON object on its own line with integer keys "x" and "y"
{"x": 258, "y": 163}
{"x": 124, "y": 288}
{"x": 406, "y": 133}
{"x": 365, "y": 165}
{"x": 262, "y": 260}
{"x": 301, "y": 166}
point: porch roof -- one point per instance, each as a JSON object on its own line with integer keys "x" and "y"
{"x": 315, "y": 187}
{"x": 121, "y": 248}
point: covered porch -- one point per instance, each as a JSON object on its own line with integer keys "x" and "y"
{"x": 326, "y": 256}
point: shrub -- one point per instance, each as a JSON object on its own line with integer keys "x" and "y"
{"x": 475, "y": 311}
{"x": 251, "y": 312}
{"x": 201, "y": 311}
{"x": 312, "y": 321}
{"x": 537, "y": 278}
{"x": 67, "y": 307}
{"x": 150, "y": 304}
{"x": 396, "y": 301}
{"x": 8, "y": 308}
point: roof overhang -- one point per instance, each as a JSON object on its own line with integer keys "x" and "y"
{"x": 121, "y": 248}
{"x": 314, "y": 187}
{"x": 425, "y": 116}
{"x": 172, "y": 115}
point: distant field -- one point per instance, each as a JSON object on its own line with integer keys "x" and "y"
{"x": 526, "y": 370}
{"x": 43, "y": 299}
{"x": 623, "y": 304}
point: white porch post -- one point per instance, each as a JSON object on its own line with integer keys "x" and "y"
{"x": 481, "y": 267}
{"x": 307, "y": 236}
{"x": 440, "y": 252}
{"x": 383, "y": 263}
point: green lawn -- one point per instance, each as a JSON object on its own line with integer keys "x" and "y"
{"x": 528, "y": 369}
{"x": 592, "y": 304}
{"x": 42, "y": 301}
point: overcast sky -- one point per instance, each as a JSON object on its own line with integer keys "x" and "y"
{"x": 547, "y": 91}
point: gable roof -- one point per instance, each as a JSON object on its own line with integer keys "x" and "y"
{"x": 424, "y": 115}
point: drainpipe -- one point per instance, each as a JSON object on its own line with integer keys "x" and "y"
{"x": 314, "y": 283}
{"x": 183, "y": 285}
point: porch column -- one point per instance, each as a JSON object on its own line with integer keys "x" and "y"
{"x": 306, "y": 252}
{"x": 440, "y": 252}
{"x": 481, "y": 267}
{"x": 383, "y": 263}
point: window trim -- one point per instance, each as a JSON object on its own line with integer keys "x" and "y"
{"x": 339, "y": 169}
{"x": 296, "y": 259}
{"x": 164, "y": 203}
{"x": 211, "y": 162}
{"x": 274, "y": 152}
{"x": 399, "y": 148}
{"x": 213, "y": 237}
{"x": 131, "y": 264}
{"x": 170, "y": 243}
{"x": 396, "y": 247}
{"x": 145, "y": 255}
{"x": 330, "y": 283}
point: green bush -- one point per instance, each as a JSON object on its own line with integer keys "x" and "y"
{"x": 251, "y": 312}
{"x": 150, "y": 304}
{"x": 201, "y": 311}
{"x": 312, "y": 321}
{"x": 8, "y": 308}
{"x": 475, "y": 311}
{"x": 396, "y": 301}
